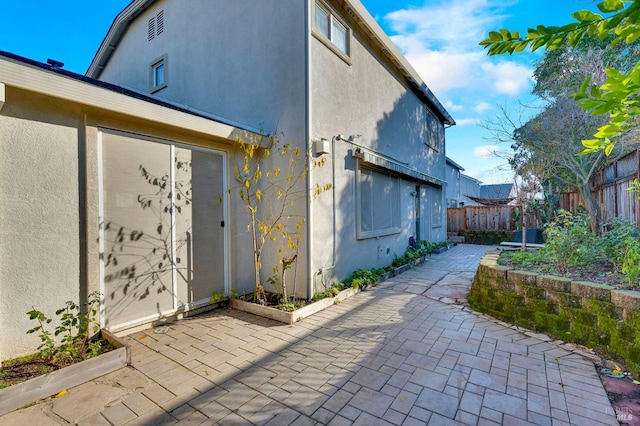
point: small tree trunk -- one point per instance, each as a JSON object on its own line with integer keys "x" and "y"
{"x": 524, "y": 226}
{"x": 593, "y": 208}
{"x": 286, "y": 264}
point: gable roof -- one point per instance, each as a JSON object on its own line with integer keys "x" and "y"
{"x": 494, "y": 195}
{"x": 354, "y": 8}
{"x": 496, "y": 191}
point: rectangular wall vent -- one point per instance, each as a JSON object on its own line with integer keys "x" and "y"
{"x": 160, "y": 22}
{"x": 151, "y": 31}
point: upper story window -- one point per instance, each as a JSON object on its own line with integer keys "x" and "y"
{"x": 329, "y": 26}
{"x": 435, "y": 131}
{"x": 158, "y": 74}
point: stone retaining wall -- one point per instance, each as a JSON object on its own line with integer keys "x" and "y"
{"x": 586, "y": 313}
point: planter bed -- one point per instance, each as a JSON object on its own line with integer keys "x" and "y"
{"x": 290, "y": 317}
{"x": 28, "y": 392}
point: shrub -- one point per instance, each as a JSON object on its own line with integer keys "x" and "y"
{"x": 486, "y": 236}
{"x": 570, "y": 241}
{"x": 528, "y": 258}
{"x": 615, "y": 241}
{"x": 631, "y": 261}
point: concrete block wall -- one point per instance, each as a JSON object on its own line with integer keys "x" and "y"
{"x": 590, "y": 314}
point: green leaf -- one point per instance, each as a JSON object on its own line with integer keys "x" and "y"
{"x": 608, "y": 6}
{"x": 531, "y": 34}
{"x": 586, "y": 16}
{"x": 495, "y": 36}
{"x": 633, "y": 36}
{"x": 609, "y": 148}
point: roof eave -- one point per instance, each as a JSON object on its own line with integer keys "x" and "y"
{"x": 378, "y": 36}
{"x": 115, "y": 33}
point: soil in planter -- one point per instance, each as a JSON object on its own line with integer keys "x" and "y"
{"x": 597, "y": 272}
{"x": 273, "y": 301}
{"x": 20, "y": 370}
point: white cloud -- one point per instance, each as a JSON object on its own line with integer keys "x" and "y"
{"x": 450, "y": 106}
{"x": 441, "y": 42}
{"x": 508, "y": 78}
{"x": 468, "y": 121}
{"x": 482, "y": 107}
{"x": 486, "y": 151}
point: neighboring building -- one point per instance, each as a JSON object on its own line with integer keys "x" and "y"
{"x": 463, "y": 190}
{"x": 469, "y": 189}
{"x": 131, "y": 189}
{"x": 453, "y": 175}
{"x": 495, "y": 194}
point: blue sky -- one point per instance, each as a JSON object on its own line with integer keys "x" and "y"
{"x": 439, "y": 37}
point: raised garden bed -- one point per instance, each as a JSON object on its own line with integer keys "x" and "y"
{"x": 290, "y": 317}
{"x": 28, "y": 392}
{"x": 588, "y": 313}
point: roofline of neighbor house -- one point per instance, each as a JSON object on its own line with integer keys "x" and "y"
{"x": 353, "y": 7}
{"x": 471, "y": 178}
{"x": 26, "y": 74}
{"x": 454, "y": 164}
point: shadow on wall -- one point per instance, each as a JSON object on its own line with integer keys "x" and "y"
{"x": 412, "y": 137}
{"x": 162, "y": 245}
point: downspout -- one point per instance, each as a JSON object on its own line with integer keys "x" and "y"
{"x": 307, "y": 82}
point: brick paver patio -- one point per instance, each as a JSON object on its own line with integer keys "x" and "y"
{"x": 406, "y": 352}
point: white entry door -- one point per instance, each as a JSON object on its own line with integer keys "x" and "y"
{"x": 163, "y": 241}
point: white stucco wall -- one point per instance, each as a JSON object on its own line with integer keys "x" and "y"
{"x": 39, "y": 216}
{"x": 364, "y": 97}
{"x": 241, "y": 60}
{"x": 245, "y": 61}
{"x": 453, "y": 186}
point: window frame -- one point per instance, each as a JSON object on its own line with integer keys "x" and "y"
{"x": 327, "y": 39}
{"x": 434, "y": 125}
{"x": 394, "y": 203}
{"x": 159, "y": 62}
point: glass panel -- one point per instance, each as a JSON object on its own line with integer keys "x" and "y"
{"x": 366, "y": 203}
{"x": 383, "y": 202}
{"x": 199, "y": 236}
{"x": 158, "y": 74}
{"x": 339, "y": 35}
{"x": 137, "y": 229}
{"x": 322, "y": 20}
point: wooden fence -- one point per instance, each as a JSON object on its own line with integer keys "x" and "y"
{"x": 610, "y": 190}
{"x": 485, "y": 217}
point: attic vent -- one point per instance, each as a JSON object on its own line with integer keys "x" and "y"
{"x": 156, "y": 25}
{"x": 152, "y": 28}
{"x": 160, "y": 22}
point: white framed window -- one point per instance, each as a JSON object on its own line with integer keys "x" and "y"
{"x": 378, "y": 203}
{"x": 158, "y": 74}
{"x": 330, "y": 29}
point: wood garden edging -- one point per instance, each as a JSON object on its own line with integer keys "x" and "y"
{"x": 40, "y": 387}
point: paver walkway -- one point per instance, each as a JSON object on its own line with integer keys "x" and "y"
{"x": 406, "y": 352}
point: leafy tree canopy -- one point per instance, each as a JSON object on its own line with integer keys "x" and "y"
{"x": 618, "y": 95}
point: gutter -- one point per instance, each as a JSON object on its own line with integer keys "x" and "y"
{"x": 307, "y": 54}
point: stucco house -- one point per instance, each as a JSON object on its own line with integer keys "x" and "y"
{"x": 461, "y": 188}
{"x": 132, "y": 186}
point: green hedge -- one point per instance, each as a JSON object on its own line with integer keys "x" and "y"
{"x": 486, "y": 236}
